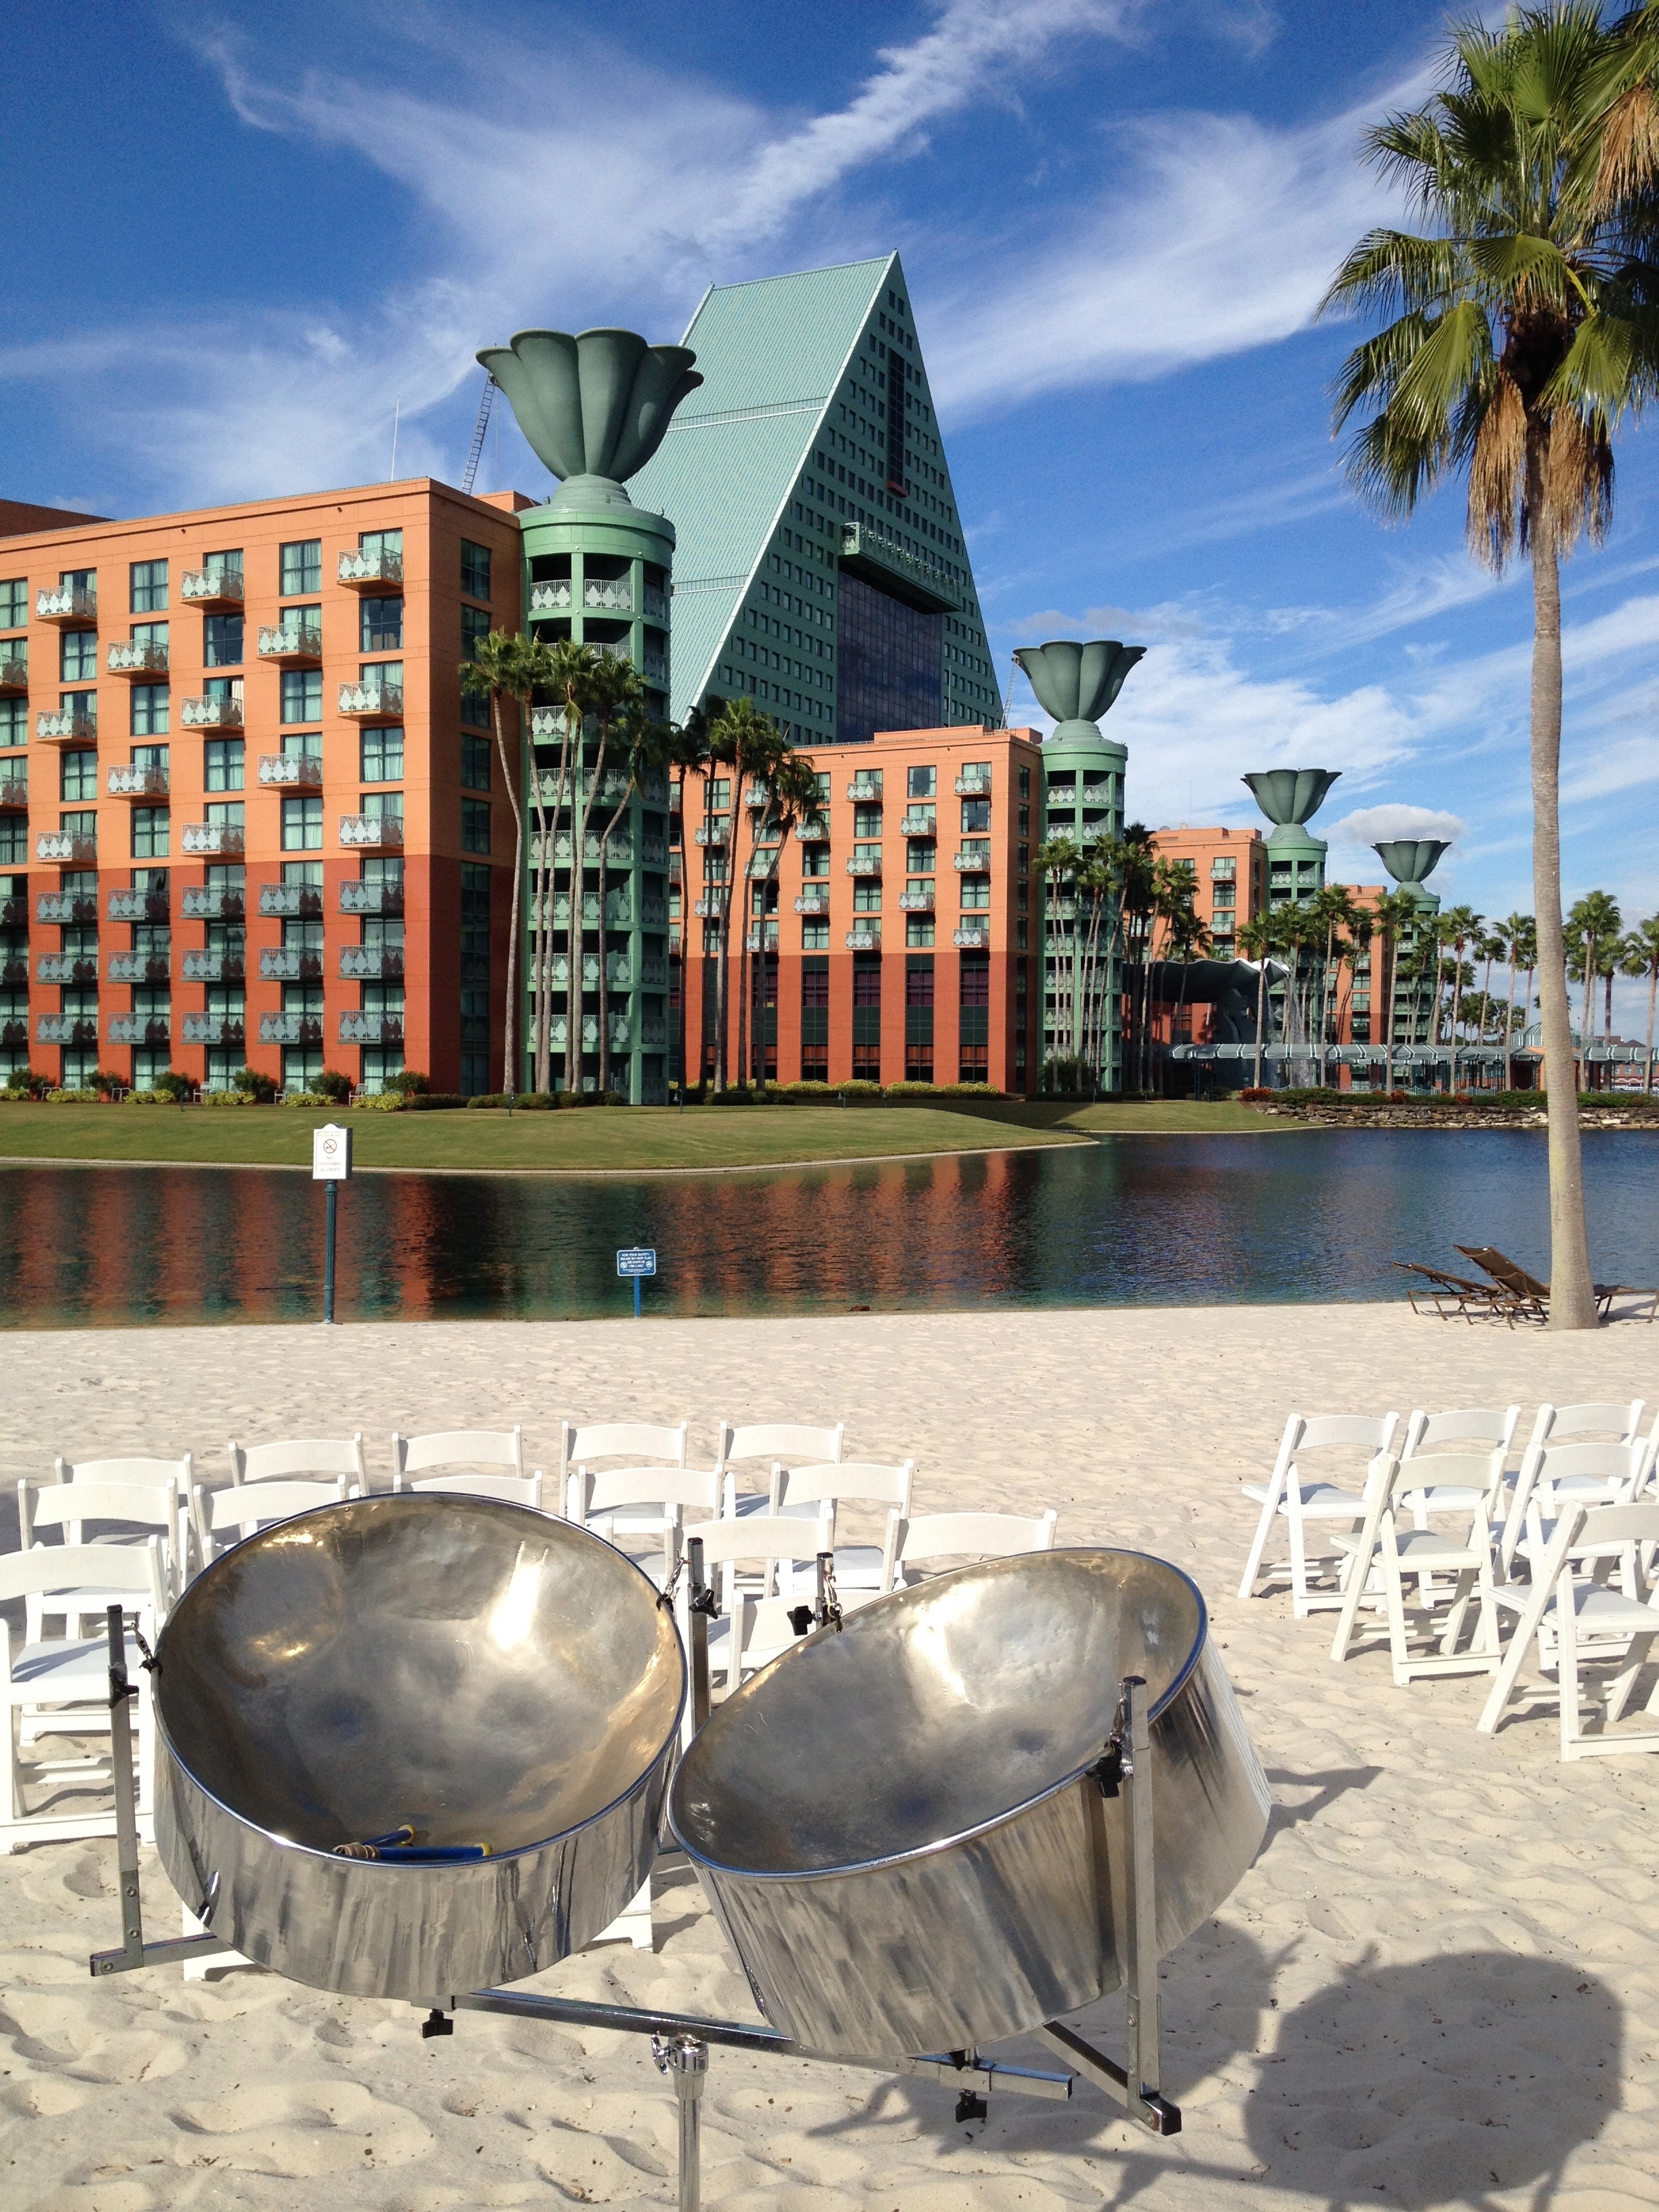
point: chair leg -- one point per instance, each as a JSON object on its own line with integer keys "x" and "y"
{"x": 1300, "y": 1608}
{"x": 1399, "y": 1650}
{"x": 1566, "y": 1646}
{"x": 1619, "y": 1689}
{"x": 1259, "y": 1542}
{"x": 1457, "y": 1611}
{"x": 11, "y": 1810}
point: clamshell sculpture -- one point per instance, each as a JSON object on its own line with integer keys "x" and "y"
{"x": 1077, "y": 682}
{"x": 594, "y": 407}
{"x": 1409, "y": 860}
{"x": 1290, "y": 797}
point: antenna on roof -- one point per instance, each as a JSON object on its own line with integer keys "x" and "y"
{"x": 396, "y": 411}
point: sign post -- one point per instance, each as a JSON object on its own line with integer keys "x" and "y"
{"x": 636, "y": 1261}
{"x": 330, "y": 1163}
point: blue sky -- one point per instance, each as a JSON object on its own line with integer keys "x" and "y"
{"x": 238, "y": 237}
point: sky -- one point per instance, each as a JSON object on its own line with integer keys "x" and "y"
{"x": 241, "y": 240}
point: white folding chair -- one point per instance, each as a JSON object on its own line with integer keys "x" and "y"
{"x": 960, "y": 1536}
{"x": 1591, "y": 1620}
{"x": 791, "y": 1441}
{"x": 1554, "y": 1473}
{"x": 641, "y": 1509}
{"x": 126, "y": 1514}
{"x": 1426, "y": 1434}
{"x": 179, "y": 1473}
{"x": 1289, "y": 1495}
{"x": 454, "y": 1449}
{"x": 1384, "y": 1554}
{"x": 801, "y": 1493}
{"x": 245, "y": 1509}
{"x": 1615, "y": 1420}
{"x": 301, "y": 1456}
{"x": 780, "y": 1556}
{"x": 68, "y": 1678}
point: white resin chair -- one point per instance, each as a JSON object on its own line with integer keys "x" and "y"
{"x": 302, "y": 1457}
{"x": 68, "y": 1678}
{"x": 125, "y": 1514}
{"x": 1617, "y": 1420}
{"x": 642, "y": 1510}
{"x": 960, "y": 1537}
{"x": 1427, "y": 1435}
{"x": 760, "y": 1445}
{"x": 179, "y": 1473}
{"x": 1292, "y": 1495}
{"x": 1385, "y": 1551}
{"x": 1553, "y": 1474}
{"x": 224, "y": 1518}
{"x": 477, "y": 1463}
{"x": 746, "y": 1562}
{"x": 801, "y": 1493}
{"x": 1591, "y": 1622}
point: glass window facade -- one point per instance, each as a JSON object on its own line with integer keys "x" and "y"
{"x": 222, "y": 763}
{"x": 301, "y": 567}
{"x": 475, "y": 762}
{"x": 475, "y": 570}
{"x": 149, "y": 586}
{"x": 302, "y": 695}
{"x": 150, "y": 714}
{"x": 77, "y": 656}
{"x": 475, "y": 825}
{"x": 383, "y": 754}
{"x": 222, "y": 641}
{"x": 890, "y": 668}
{"x": 382, "y": 626}
{"x": 303, "y": 825}
{"x": 150, "y": 833}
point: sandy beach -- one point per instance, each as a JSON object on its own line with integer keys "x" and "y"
{"x": 1438, "y": 1984}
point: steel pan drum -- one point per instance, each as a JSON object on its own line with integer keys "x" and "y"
{"x": 484, "y": 1674}
{"x": 898, "y": 1826}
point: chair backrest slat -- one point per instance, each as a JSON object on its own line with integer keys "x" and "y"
{"x": 852, "y": 1482}
{"x": 63, "y": 1504}
{"x": 1619, "y": 1419}
{"x": 1467, "y": 1425}
{"x": 49, "y": 1569}
{"x": 966, "y": 1536}
{"x": 587, "y": 1441}
{"x": 502, "y": 1447}
{"x": 179, "y": 1473}
{"x": 1371, "y": 1433}
{"x": 789, "y": 1441}
{"x": 299, "y": 1455}
{"x": 506, "y": 1489}
{"x": 609, "y": 1490}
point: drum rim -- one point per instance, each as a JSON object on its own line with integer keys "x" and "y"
{"x": 397, "y": 1867}
{"x": 918, "y": 1852}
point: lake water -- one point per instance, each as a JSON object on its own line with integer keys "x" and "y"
{"x": 1313, "y": 1215}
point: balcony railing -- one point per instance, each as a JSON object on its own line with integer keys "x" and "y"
{"x": 551, "y": 599}
{"x": 812, "y": 902}
{"x": 1096, "y": 794}
{"x": 215, "y": 1029}
{"x": 973, "y": 783}
{"x": 916, "y": 902}
{"x": 972, "y": 936}
{"x": 14, "y": 794}
{"x": 372, "y": 964}
{"x": 364, "y": 570}
{"x": 66, "y": 967}
{"x": 66, "y": 1028}
{"x": 291, "y": 963}
{"x": 707, "y": 909}
{"x": 867, "y": 937}
{"x": 866, "y": 793}
{"x": 135, "y": 658}
{"x": 214, "y": 903}
{"x": 371, "y": 1029}
{"x": 137, "y": 906}
{"x": 714, "y": 833}
{"x": 919, "y": 825}
{"x": 292, "y": 771}
{"x": 815, "y": 830}
{"x": 139, "y": 1029}
{"x": 15, "y": 1028}
{"x": 376, "y": 832}
{"x": 66, "y": 910}
{"x": 972, "y": 860}
{"x": 137, "y": 967}
{"x": 371, "y": 898}
{"x": 13, "y": 671}
{"x": 211, "y": 587}
{"x": 221, "y": 837}
{"x": 864, "y": 864}
{"x": 60, "y": 848}
{"x": 300, "y": 646}
{"x": 611, "y": 595}
{"x": 290, "y": 901}
{"x": 212, "y": 714}
{"x": 373, "y": 702}
{"x": 756, "y": 943}
{"x": 291, "y": 1029}
{"x": 136, "y": 784}
{"x": 67, "y": 602}
{"x": 656, "y": 668}
{"x": 69, "y": 725}
{"x": 217, "y": 966}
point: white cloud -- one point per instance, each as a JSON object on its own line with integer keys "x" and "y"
{"x": 1375, "y": 825}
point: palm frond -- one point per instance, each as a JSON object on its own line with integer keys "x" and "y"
{"x": 1497, "y": 467}
{"x": 1527, "y": 270}
{"x": 1373, "y": 370}
{"x": 1391, "y": 270}
{"x": 1578, "y": 478}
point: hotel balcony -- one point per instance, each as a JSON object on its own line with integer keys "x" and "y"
{"x": 707, "y": 910}
{"x": 714, "y": 833}
{"x": 915, "y": 824}
{"x": 14, "y": 794}
{"x": 214, "y": 967}
{"x": 138, "y": 906}
{"x": 69, "y": 603}
{"x": 224, "y": 838}
{"x": 973, "y": 860}
{"x": 291, "y": 901}
{"x": 371, "y": 898}
{"x": 291, "y": 963}
{"x": 655, "y": 670}
{"x": 15, "y": 973}
{"x": 215, "y": 1029}
{"x": 372, "y": 964}
{"x": 213, "y": 589}
{"x": 552, "y": 598}
{"x": 212, "y": 714}
{"x": 547, "y": 728}
{"x": 972, "y": 937}
{"x": 815, "y": 830}
{"x": 139, "y": 1029}
{"x": 301, "y": 646}
{"x": 372, "y": 702}
{"x": 864, "y": 792}
{"x": 69, "y": 725}
{"x": 1096, "y": 794}
{"x": 15, "y": 1029}
{"x": 214, "y": 902}
{"x": 867, "y": 937}
{"x": 138, "y": 968}
{"x": 292, "y": 771}
{"x": 138, "y": 660}
{"x": 66, "y": 910}
{"x": 864, "y": 864}
{"x": 756, "y": 943}
{"x": 14, "y": 912}
{"x": 143, "y": 786}
{"x": 975, "y": 783}
{"x": 66, "y": 1028}
{"x": 371, "y": 1029}
{"x": 917, "y": 900}
{"x": 14, "y": 669}
{"x": 61, "y": 849}
{"x": 291, "y": 1029}
{"x": 367, "y": 572}
{"x": 812, "y": 902}
{"x": 653, "y": 913}
{"x": 373, "y": 832}
{"x": 608, "y": 595}
{"x": 66, "y": 967}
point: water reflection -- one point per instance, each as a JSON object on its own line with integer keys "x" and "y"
{"x": 1312, "y": 1216}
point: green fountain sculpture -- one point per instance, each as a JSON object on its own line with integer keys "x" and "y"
{"x": 594, "y": 407}
{"x": 1409, "y": 860}
{"x": 1290, "y": 797}
{"x": 1077, "y": 683}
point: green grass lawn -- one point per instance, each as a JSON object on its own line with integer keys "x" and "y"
{"x": 631, "y": 1137}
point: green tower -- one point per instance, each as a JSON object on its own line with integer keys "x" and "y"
{"x": 1083, "y": 776}
{"x": 1289, "y": 797}
{"x": 1409, "y": 860}
{"x": 598, "y": 570}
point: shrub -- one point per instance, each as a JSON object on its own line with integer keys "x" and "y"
{"x": 382, "y": 1102}
{"x": 26, "y": 1083}
{"x": 84, "y": 1097}
{"x": 106, "y": 1082}
{"x": 807, "y": 1090}
{"x": 433, "y": 1101}
{"x": 408, "y": 1080}
{"x": 334, "y": 1087}
{"x": 1253, "y": 1095}
{"x": 913, "y": 1090}
{"x": 537, "y": 1102}
{"x": 171, "y": 1084}
{"x": 253, "y": 1085}
{"x": 302, "y": 1098}
{"x": 863, "y": 1093}
{"x": 970, "y": 1091}
{"x": 487, "y": 1098}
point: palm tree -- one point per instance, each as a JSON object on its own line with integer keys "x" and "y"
{"x": 1057, "y": 862}
{"x": 506, "y": 665}
{"x": 1512, "y": 930}
{"x": 1394, "y": 913}
{"x": 1333, "y": 908}
{"x": 1521, "y": 335}
{"x": 1458, "y": 925}
{"x": 742, "y": 739}
{"x": 645, "y": 744}
{"x": 1639, "y": 956}
{"x": 687, "y": 755}
{"x": 792, "y": 796}
{"x": 1592, "y": 934}
{"x": 612, "y": 689}
{"x": 1254, "y": 936}
{"x": 569, "y": 670}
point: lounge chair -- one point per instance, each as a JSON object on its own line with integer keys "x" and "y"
{"x": 1533, "y": 1297}
{"x": 1452, "y": 1295}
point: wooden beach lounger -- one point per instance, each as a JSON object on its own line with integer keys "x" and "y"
{"x": 1451, "y": 1295}
{"x": 1533, "y": 1297}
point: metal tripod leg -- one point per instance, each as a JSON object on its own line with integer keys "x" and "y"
{"x": 685, "y": 2059}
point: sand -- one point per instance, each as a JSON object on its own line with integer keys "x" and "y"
{"x": 1438, "y": 1985}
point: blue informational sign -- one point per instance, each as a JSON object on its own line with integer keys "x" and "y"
{"x": 637, "y": 1260}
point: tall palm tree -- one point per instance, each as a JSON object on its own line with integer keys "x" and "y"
{"x": 612, "y": 690}
{"x": 506, "y": 665}
{"x": 1459, "y": 925}
{"x": 1254, "y": 936}
{"x": 1332, "y": 908}
{"x": 1522, "y": 334}
{"x": 569, "y": 670}
{"x": 644, "y": 745}
{"x": 746, "y": 742}
{"x": 1639, "y": 956}
{"x": 1058, "y": 860}
{"x": 1517, "y": 931}
{"x": 1394, "y": 913}
{"x": 688, "y": 755}
{"x": 792, "y": 796}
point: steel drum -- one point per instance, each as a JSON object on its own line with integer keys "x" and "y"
{"x": 901, "y": 1826}
{"x": 482, "y": 1674}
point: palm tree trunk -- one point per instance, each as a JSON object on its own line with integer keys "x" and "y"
{"x": 542, "y": 938}
{"x": 724, "y": 949}
{"x": 572, "y": 1025}
{"x": 745, "y": 970}
{"x": 1572, "y": 1303}
{"x": 1260, "y": 1018}
{"x": 510, "y": 784}
{"x": 1653, "y": 990}
{"x": 1509, "y": 1028}
{"x": 604, "y": 971}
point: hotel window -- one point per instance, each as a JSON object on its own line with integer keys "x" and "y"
{"x": 77, "y": 656}
{"x": 866, "y": 896}
{"x": 475, "y": 570}
{"x": 815, "y": 1019}
{"x": 222, "y": 764}
{"x": 13, "y": 721}
{"x": 974, "y": 1018}
{"x": 222, "y": 641}
{"x": 976, "y": 894}
{"x": 302, "y": 570}
{"x": 77, "y": 776}
{"x": 226, "y": 813}
{"x": 14, "y": 839}
{"x": 1026, "y": 783}
{"x": 867, "y": 1017}
{"x": 919, "y": 1018}
{"x": 475, "y": 628}
{"x": 303, "y": 825}
{"x": 150, "y": 833}
{"x": 382, "y": 676}
{"x": 149, "y": 710}
{"x": 382, "y": 626}
{"x": 815, "y": 937}
{"x": 14, "y": 602}
{"x": 381, "y": 541}
{"x": 149, "y": 586}
{"x": 866, "y": 821}
{"x": 919, "y": 929}
{"x": 475, "y": 825}
{"x": 975, "y": 815}
{"x": 475, "y": 762}
{"x": 382, "y": 805}
{"x": 1223, "y": 870}
{"x": 302, "y": 695}
{"x": 815, "y": 861}
{"x": 1226, "y": 894}
{"x": 382, "y": 754}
